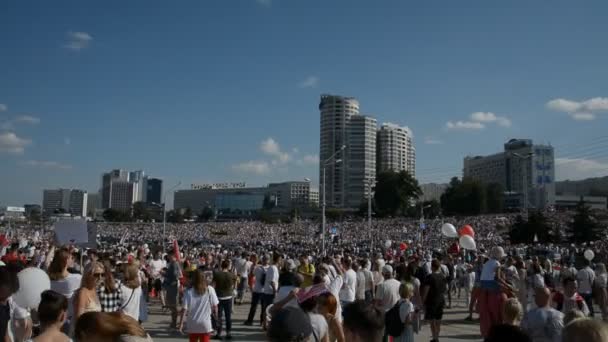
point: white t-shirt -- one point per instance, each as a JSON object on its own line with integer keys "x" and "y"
{"x": 272, "y": 276}
{"x": 388, "y": 293}
{"x": 283, "y": 293}
{"x": 405, "y": 309}
{"x": 347, "y": 293}
{"x": 259, "y": 272}
{"x": 360, "y": 285}
{"x": 334, "y": 287}
{"x": 319, "y": 325}
{"x": 369, "y": 279}
{"x": 130, "y": 304}
{"x": 585, "y": 278}
{"x": 199, "y": 310}
{"x": 156, "y": 266}
{"x": 242, "y": 267}
{"x": 67, "y": 286}
{"x": 488, "y": 272}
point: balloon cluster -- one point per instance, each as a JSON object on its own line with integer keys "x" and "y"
{"x": 402, "y": 246}
{"x": 465, "y": 235}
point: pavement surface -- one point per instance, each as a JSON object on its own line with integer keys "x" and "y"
{"x": 454, "y": 328}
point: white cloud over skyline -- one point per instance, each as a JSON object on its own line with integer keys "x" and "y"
{"x": 579, "y": 110}
{"x": 11, "y": 143}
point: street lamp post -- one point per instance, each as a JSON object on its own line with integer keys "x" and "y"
{"x": 369, "y": 214}
{"x": 165, "y": 212}
{"x": 326, "y": 163}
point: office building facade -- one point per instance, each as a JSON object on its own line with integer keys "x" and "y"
{"x": 154, "y": 189}
{"x": 290, "y": 194}
{"x": 198, "y": 199}
{"x": 361, "y": 160}
{"x": 395, "y": 149}
{"x": 522, "y": 168}
{"x": 69, "y": 201}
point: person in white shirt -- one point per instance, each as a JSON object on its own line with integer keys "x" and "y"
{"x": 271, "y": 285}
{"x": 387, "y": 294}
{"x": 242, "y": 267}
{"x": 131, "y": 292}
{"x": 586, "y": 278}
{"x": 200, "y": 302}
{"x": 258, "y": 290}
{"x": 156, "y": 267}
{"x": 347, "y": 293}
{"x": 360, "y": 292}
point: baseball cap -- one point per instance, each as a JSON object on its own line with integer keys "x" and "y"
{"x": 387, "y": 269}
{"x": 288, "y": 324}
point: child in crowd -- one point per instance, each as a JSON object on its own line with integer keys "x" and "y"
{"x": 406, "y": 313}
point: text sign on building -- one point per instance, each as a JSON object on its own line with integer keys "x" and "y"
{"x": 237, "y": 185}
{"x": 16, "y": 209}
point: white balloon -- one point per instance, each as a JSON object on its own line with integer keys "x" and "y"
{"x": 589, "y": 255}
{"x": 388, "y": 243}
{"x": 147, "y": 251}
{"x": 32, "y": 282}
{"x": 467, "y": 242}
{"x": 145, "y": 246}
{"x": 449, "y": 230}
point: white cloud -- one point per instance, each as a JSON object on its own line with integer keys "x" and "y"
{"x": 266, "y": 3}
{"x": 270, "y": 147}
{"x": 583, "y": 116}
{"x": 32, "y": 120}
{"x": 579, "y": 168}
{"x": 582, "y": 111}
{"x": 310, "y": 159}
{"x": 464, "y": 125}
{"x": 309, "y": 82}
{"x": 432, "y": 141}
{"x": 11, "y": 143}
{"x": 47, "y": 164}
{"x": 3, "y": 107}
{"x": 25, "y": 119}
{"x": 78, "y": 40}
{"x": 489, "y": 117}
{"x": 255, "y": 167}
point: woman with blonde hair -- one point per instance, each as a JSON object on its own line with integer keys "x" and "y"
{"x": 86, "y": 299}
{"x": 131, "y": 291}
{"x": 585, "y": 329}
{"x": 200, "y": 303}
{"x": 109, "y": 326}
{"x": 108, "y": 290}
{"x": 512, "y": 312}
{"x": 62, "y": 281}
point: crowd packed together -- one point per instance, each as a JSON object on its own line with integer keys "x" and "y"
{"x": 389, "y": 283}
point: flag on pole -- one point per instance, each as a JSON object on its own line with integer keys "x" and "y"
{"x": 176, "y": 250}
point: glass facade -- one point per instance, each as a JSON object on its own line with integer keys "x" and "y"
{"x": 239, "y": 202}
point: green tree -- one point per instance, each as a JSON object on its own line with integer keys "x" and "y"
{"x": 140, "y": 211}
{"x": 466, "y": 197}
{"x": 431, "y": 210}
{"x": 188, "y": 213}
{"x": 175, "y": 216}
{"x": 494, "y": 198}
{"x": 206, "y": 214}
{"x": 35, "y": 215}
{"x": 395, "y": 192}
{"x": 524, "y": 231}
{"x": 584, "y": 226}
{"x": 113, "y": 215}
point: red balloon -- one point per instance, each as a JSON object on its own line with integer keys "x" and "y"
{"x": 467, "y": 230}
{"x": 403, "y": 246}
{"x": 454, "y": 248}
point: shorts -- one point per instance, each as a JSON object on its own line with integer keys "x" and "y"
{"x": 433, "y": 312}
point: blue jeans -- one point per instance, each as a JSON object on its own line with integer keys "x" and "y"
{"x": 225, "y": 306}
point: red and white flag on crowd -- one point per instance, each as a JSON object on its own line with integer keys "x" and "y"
{"x": 176, "y": 250}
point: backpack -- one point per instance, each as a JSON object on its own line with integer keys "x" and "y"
{"x": 393, "y": 324}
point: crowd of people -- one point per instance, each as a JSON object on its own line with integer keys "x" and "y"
{"x": 387, "y": 283}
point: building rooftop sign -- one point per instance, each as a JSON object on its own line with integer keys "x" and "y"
{"x": 238, "y": 185}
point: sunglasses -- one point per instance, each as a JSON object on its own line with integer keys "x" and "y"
{"x": 98, "y": 275}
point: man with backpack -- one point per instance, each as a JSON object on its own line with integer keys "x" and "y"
{"x": 257, "y": 292}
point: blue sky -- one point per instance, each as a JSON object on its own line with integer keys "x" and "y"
{"x": 227, "y": 90}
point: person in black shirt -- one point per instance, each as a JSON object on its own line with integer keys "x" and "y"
{"x": 433, "y": 297}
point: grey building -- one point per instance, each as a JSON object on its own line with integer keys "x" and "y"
{"x": 291, "y": 194}
{"x": 108, "y": 180}
{"x": 570, "y": 202}
{"x": 341, "y": 125}
{"x": 198, "y": 199}
{"x": 154, "y": 189}
{"x": 522, "y": 168}
{"x": 361, "y": 160}
{"x": 395, "y": 149}
{"x": 71, "y": 201}
{"x": 432, "y": 191}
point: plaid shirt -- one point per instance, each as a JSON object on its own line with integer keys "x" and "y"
{"x": 110, "y": 301}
